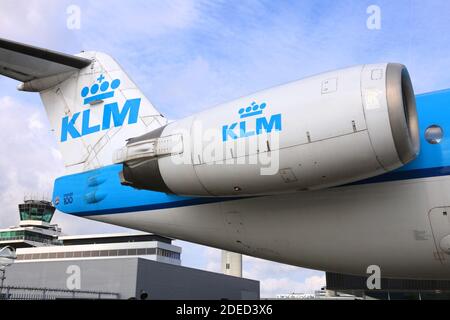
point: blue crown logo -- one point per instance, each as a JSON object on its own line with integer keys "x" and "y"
{"x": 99, "y": 91}
{"x": 252, "y": 110}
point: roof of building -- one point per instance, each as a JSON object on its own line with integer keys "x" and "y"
{"x": 113, "y": 238}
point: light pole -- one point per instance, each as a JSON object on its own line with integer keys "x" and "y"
{"x": 7, "y": 257}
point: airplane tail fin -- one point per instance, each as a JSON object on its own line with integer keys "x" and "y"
{"x": 92, "y": 104}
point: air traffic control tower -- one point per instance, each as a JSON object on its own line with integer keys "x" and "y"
{"x": 39, "y": 211}
{"x": 35, "y": 228}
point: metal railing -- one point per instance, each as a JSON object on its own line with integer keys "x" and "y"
{"x": 29, "y": 293}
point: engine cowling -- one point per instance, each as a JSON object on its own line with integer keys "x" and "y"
{"x": 326, "y": 130}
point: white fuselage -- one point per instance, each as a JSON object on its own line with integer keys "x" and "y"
{"x": 343, "y": 229}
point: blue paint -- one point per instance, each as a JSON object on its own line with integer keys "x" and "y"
{"x": 94, "y": 89}
{"x": 115, "y": 84}
{"x": 112, "y": 112}
{"x": 252, "y": 110}
{"x": 260, "y": 124}
{"x": 99, "y": 191}
{"x": 228, "y": 132}
{"x": 98, "y": 97}
{"x": 85, "y": 127}
{"x": 432, "y": 108}
{"x": 251, "y": 114}
{"x": 103, "y": 86}
{"x": 68, "y": 127}
{"x": 84, "y": 92}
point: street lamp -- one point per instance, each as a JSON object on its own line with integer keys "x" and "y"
{"x": 7, "y": 257}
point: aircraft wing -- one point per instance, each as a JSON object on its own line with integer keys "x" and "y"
{"x": 25, "y": 63}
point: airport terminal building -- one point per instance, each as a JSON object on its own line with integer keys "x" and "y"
{"x": 50, "y": 265}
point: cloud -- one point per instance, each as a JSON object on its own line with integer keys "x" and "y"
{"x": 56, "y": 154}
{"x": 149, "y": 19}
{"x": 26, "y": 165}
{"x": 231, "y": 50}
{"x": 34, "y": 123}
{"x": 35, "y": 21}
{"x": 213, "y": 257}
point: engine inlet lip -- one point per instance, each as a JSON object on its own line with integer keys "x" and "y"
{"x": 402, "y": 112}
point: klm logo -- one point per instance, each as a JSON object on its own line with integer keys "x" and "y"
{"x": 113, "y": 116}
{"x": 250, "y": 124}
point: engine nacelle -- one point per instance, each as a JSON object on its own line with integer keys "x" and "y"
{"x": 327, "y": 130}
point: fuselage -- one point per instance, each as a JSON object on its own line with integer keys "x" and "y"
{"x": 396, "y": 220}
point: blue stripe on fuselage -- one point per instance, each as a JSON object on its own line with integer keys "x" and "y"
{"x": 432, "y": 108}
{"x": 99, "y": 191}
{"x": 434, "y": 159}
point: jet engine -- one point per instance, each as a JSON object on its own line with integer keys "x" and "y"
{"x": 326, "y": 130}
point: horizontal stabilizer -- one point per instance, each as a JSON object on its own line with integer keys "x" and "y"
{"x": 25, "y": 63}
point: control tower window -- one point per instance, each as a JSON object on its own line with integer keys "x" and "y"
{"x": 37, "y": 210}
